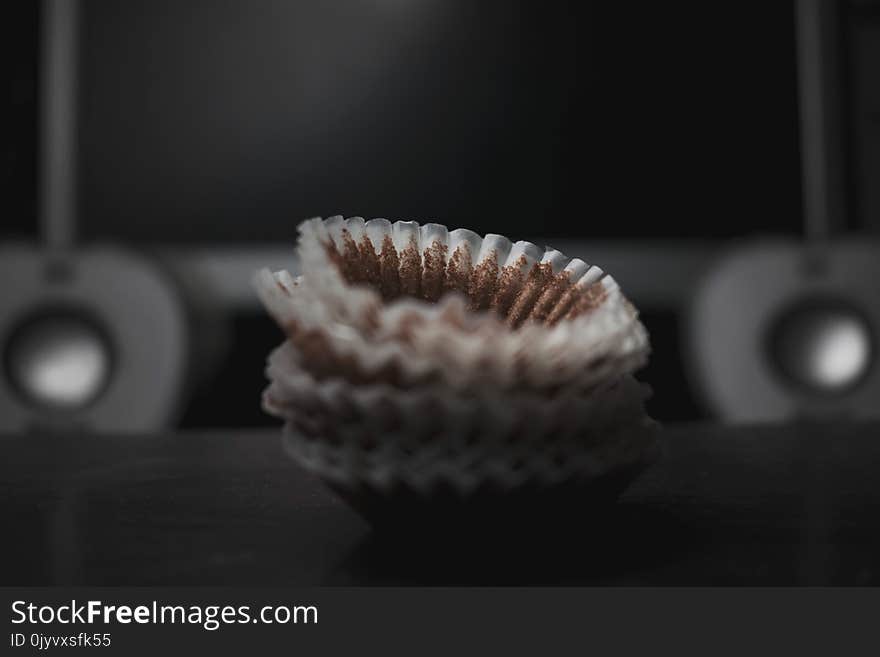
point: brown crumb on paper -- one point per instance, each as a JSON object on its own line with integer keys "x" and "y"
{"x": 514, "y": 294}
{"x": 510, "y": 282}
{"x": 411, "y": 269}
{"x": 389, "y": 265}
{"x": 538, "y": 278}
{"x": 434, "y": 271}
{"x": 458, "y": 270}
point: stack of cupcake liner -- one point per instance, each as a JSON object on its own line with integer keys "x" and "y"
{"x": 423, "y": 358}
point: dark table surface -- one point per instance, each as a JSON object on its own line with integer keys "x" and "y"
{"x": 793, "y": 504}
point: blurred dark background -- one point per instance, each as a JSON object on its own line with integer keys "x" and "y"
{"x": 541, "y": 120}
{"x": 649, "y": 138}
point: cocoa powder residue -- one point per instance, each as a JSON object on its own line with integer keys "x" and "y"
{"x": 389, "y": 275}
{"x": 369, "y": 262}
{"x": 538, "y": 278}
{"x": 411, "y": 269}
{"x": 483, "y": 284}
{"x": 434, "y": 271}
{"x": 514, "y": 294}
{"x": 458, "y": 270}
{"x": 510, "y": 282}
{"x": 550, "y": 296}
{"x": 587, "y": 301}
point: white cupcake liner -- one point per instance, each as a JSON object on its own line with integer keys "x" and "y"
{"x": 418, "y": 340}
{"x": 367, "y": 414}
{"x": 422, "y": 358}
{"x": 519, "y": 281}
{"x": 415, "y": 341}
{"x": 466, "y": 469}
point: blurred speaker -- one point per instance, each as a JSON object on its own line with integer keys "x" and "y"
{"x": 98, "y": 342}
{"x": 781, "y": 330}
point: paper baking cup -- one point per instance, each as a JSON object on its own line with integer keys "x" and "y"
{"x": 411, "y": 302}
{"x": 483, "y": 490}
{"x": 475, "y": 353}
{"x": 423, "y": 363}
{"x": 464, "y": 469}
{"x": 366, "y": 414}
{"x": 354, "y": 261}
{"x": 518, "y": 281}
{"x": 378, "y": 441}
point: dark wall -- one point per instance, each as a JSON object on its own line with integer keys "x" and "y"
{"x": 219, "y": 121}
